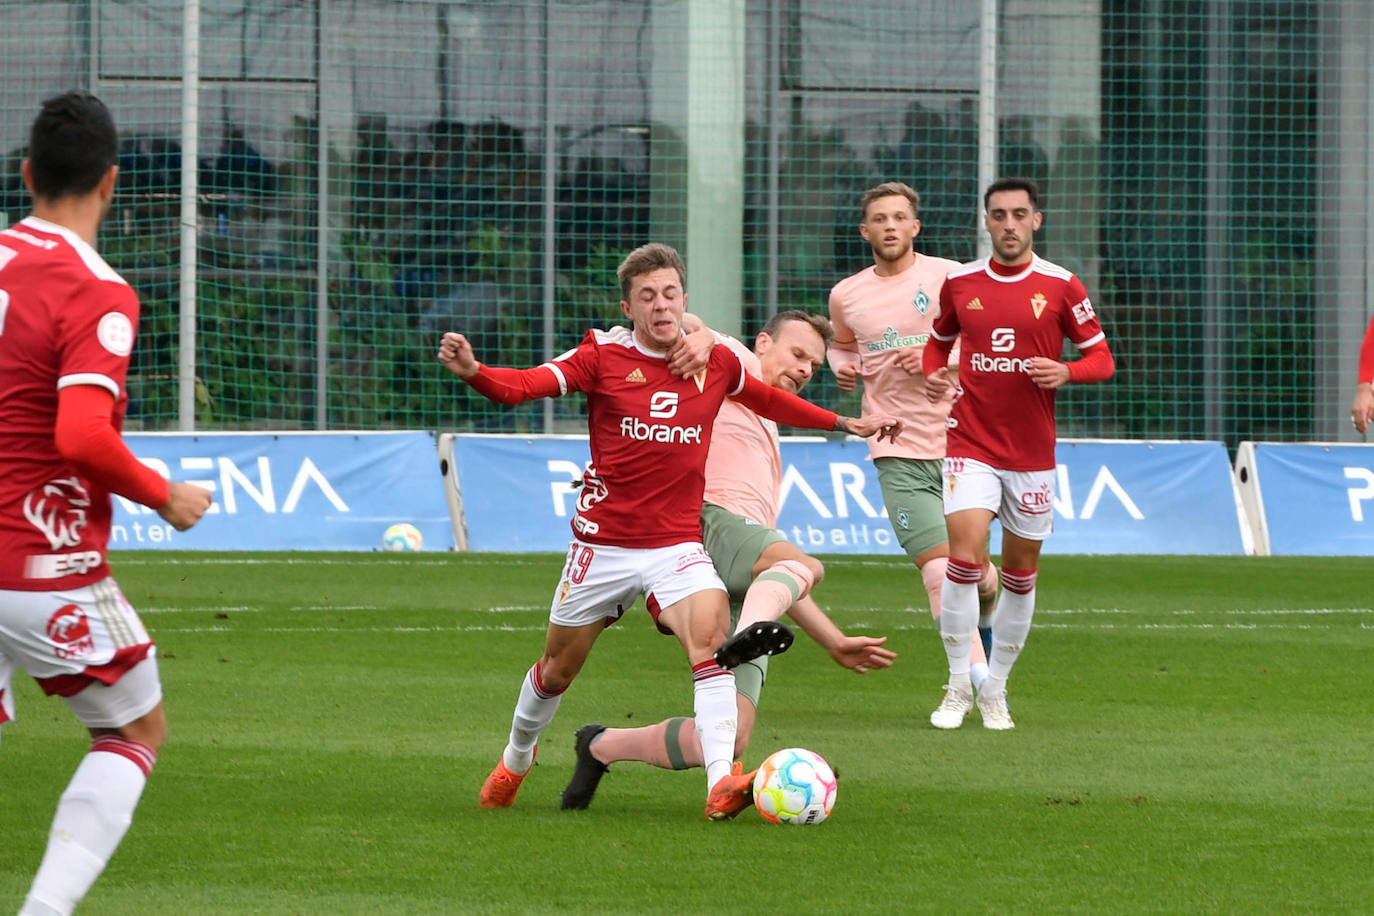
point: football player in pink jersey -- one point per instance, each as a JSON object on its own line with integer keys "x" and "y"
{"x": 882, "y": 317}
{"x": 1011, "y": 314}
{"x": 67, "y": 325}
{"x": 637, "y": 524}
{"x": 765, "y": 573}
{"x": 1363, "y": 408}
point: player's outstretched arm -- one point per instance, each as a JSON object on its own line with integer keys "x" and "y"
{"x": 496, "y": 383}
{"x": 883, "y": 425}
{"x": 857, "y": 653}
{"x": 789, "y": 410}
{"x": 455, "y": 354}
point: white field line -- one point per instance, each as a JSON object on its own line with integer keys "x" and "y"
{"x": 1048, "y": 618}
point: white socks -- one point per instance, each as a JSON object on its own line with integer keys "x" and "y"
{"x": 533, "y": 712}
{"x": 92, "y": 817}
{"x": 1012, "y": 620}
{"x": 713, "y": 689}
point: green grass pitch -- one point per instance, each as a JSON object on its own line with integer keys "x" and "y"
{"x": 1193, "y": 735}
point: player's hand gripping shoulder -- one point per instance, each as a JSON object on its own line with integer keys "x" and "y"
{"x": 690, "y": 353}
{"x": 455, "y": 353}
{"x": 865, "y": 426}
{"x": 185, "y": 505}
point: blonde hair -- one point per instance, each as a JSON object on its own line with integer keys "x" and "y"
{"x": 890, "y": 189}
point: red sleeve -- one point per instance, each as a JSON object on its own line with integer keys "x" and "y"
{"x": 85, "y": 436}
{"x": 515, "y": 386}
{"x": 1096, "y": 365}
{"x": 935, "y": 354}
{"x": 1367, "y": 356}
{"x": 944, "y": 333}
{"x": 783, "y": 407}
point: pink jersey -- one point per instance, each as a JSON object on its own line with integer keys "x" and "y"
{"x": 886, "y": 315}
{"x": 66, "y": 318}
{"x": 737, "y": 476}
{"x": 649, "y": 432}
{"x": 1000, "y": 417}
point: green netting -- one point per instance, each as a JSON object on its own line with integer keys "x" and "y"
{"x": 486, "y": 165}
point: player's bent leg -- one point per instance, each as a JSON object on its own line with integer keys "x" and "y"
{"x": 97, "y": 807}
{"x": 698, "y": 620}
{"x": 758, "y": 639}
{"x": 541, "y": 691}
{"x": 778, "y": 586}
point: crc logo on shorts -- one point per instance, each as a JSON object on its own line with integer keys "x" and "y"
{"x": 663, "y": 404}
{"x": 1037, "y": 502}
{"x": 695, "y": 557}
{"x": 903, "y": 519}
{"x": 58, "y": 509}
{"x": 70, "y": 632}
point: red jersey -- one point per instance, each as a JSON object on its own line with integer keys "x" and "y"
{"x": 649, "y": 433}
{"x": 1000, "y": 417}
{"x": 66, "y": 318}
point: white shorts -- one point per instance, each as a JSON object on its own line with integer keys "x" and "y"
{"x": 1023, "y": 501}
{"x": 600, "y": 582}
{"x": 86, "y": 645}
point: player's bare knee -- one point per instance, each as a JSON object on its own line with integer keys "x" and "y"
{"x": 150, "y": 730}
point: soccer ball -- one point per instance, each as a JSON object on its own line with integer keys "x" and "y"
{"x": 795, "y": 786}
{"x": 402, "y": 537}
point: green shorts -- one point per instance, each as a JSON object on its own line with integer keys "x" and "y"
{"x": 735, "y": 544}
{"x": 913, "y": 491}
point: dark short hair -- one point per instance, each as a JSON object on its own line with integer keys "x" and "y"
{"x": 646, "y": 259}
{"x": 72, "y": 144}
{"x": 820, "y": 323}
{"x": 1014, "y": 184}
{"x": 890, "y": 189}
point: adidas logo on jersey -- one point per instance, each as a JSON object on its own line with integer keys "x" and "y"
{"x": 636, "y": 376}
{"x": 975, "y": 305}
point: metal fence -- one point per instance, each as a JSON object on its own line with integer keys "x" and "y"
{"x": 371, "y": 172}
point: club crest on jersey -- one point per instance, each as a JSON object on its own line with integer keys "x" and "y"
{"x": 58, "y": 509}
{"x": 1038, "y": 303}
{"x": 700, "y": 379}
{"x": 922, "y": 302}
{"x": 636, "y": 376}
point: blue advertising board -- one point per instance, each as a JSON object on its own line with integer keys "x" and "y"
{"x": 1312, "y": 499}
{"x": 517, "y": 494}
{"x": 291, "y": 491}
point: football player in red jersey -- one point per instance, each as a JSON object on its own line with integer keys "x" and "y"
{"x": 637, "y": 525}
{"x": 1011, "y": 313}
{"x": 67, "y": 325}
{"x": 1363, "y": 407}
